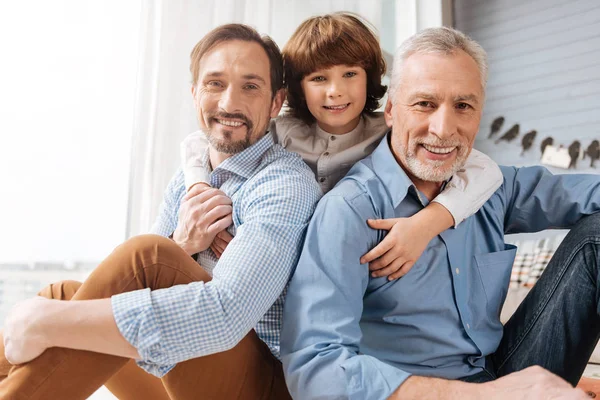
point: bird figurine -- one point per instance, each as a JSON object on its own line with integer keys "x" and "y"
{"x": 510, "y": 134}
{"x": 546, "y": 142}
{"x": 574, "y": 151}
{"x": 496, "y": 126}
{"x": 593, "y": 151}
{"x": 527, "y": 140}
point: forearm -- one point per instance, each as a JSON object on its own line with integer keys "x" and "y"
{"x": 84, "y": 325}
{"x": 434, "y": 219}
{"x": 424, "y": 388}
{"x": 192, "y": 150}
{"x": 471, "y": 187}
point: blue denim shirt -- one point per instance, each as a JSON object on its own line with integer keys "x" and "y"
{"x": 348, "y": 335}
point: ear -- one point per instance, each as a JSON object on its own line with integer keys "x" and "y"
{"x": 387, "y": 113}
{"x": 194, "y": 96}
{"x": 277, "y": 102}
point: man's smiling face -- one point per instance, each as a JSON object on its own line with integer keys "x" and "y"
{"x": 435, "y": 114}
{"x": 233, "y": 97}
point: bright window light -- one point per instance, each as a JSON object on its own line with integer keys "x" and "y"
{"x": 67, "y": 84}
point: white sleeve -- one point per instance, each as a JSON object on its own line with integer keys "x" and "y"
{"x": 471, "y": 186}
{"x": 193, "y": 149}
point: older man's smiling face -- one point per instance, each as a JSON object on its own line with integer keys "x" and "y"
{"x": 435, "y": 114}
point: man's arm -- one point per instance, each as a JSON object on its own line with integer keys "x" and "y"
{"x": 324, "y": 303}
{"x": 166, "y": 221}
{"x": 247, "y": 280}
{"x": 39, "y": 323}
{"x": 534, "y": 199}
{"x": 320, "y": 340}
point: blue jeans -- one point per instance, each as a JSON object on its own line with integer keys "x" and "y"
{"x": 558, "y": 324}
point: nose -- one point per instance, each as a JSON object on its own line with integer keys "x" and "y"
{"x": 443, "y": 123}
{"x": 229, "y": 100}
{"x": 335, "y": 88}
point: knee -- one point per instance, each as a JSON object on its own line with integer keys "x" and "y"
{"x": 63, "y": 290}
{"x": 147, "y": 241}
{"x": 151, "y": 248}
{"x": 587, "y": 229}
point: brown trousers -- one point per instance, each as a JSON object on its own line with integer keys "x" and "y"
{"x": 248, "y": 371}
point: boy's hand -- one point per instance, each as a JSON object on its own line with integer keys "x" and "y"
{"x": 399, "y": 250}
{"x": 220, "y": 243}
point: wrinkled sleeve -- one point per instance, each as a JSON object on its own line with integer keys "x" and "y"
{"x": 168, "y": 211}
{"x": 535, "y": 199}
{"x": 321, "y": 333}
{"x": 193, "y": 149}
{"x": 171, "y": 325}
{"x": 470, "y": 187}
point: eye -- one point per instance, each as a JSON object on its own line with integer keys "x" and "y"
{"x": 350, "y": 74}
{"x": 251, "y": 86}
{"x": 463, "y": 106}
{"x": 318, "y": 78}
{"x": 424, "y": 104}
{"x": 214, "y": 84}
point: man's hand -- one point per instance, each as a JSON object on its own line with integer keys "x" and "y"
{"x": 530, "y": 383}
{"x": 399, "y": 250}
{"x": 24, "y": 339}
{"x": 533, "y": 383}
{"x": 204, "y": 212}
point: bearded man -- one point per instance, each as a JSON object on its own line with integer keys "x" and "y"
{"x": 208, "y": 331}
{"x": 436, "y": 332}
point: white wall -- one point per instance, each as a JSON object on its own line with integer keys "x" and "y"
{"x": 544, "y": 71}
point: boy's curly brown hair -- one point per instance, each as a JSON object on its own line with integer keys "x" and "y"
{"x": 328, "y": 40}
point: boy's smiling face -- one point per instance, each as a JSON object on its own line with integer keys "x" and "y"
{"x": 336, "y": 97}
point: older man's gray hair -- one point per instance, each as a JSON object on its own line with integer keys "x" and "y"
{"x": 438, "y": 40}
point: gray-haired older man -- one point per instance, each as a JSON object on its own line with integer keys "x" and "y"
{"x": 436, "y": 333}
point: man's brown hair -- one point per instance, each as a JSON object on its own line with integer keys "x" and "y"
{"x": 325, "y": 41}
{"x": 225, "y": 33}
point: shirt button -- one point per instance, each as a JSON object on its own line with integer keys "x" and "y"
{"x": 332, "y": 138}
{"x": 468, "y": 326}
{"x": 326, "y": 154}
{"x": 457, "y": 271}
{"x": 322, "y": 179}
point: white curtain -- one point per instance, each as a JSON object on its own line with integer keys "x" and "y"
{"x": 164, "y": 114}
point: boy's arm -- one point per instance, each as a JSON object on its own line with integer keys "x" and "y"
{"x": 408, "y": 237}
{"x": 193, "y": 150}
{"x": 470, "y": 187}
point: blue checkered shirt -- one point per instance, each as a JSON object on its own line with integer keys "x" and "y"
{"x": 274, "y": 195}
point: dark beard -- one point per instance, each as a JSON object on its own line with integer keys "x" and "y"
{"x": 226, "y": 146}
{"x": 229, "y": 147}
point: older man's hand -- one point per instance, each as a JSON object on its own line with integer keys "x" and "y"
{"x": 204, "y": 212}
{"x": 24, "y": 338}
{"x": 533, "y": 383}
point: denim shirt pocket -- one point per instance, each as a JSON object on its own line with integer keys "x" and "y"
{"x": 495, "y": 269}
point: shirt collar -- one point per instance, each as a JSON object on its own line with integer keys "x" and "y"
{"x": 390, "y": 172}
{"x": 246, "y": 162}
{"x": 393, "y": 176}
{"x": 342, "y": 141}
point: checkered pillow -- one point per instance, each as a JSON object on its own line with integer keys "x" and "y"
{"x": 531, "y": 259}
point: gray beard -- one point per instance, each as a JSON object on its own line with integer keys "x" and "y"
{"x": 430, "y": 171}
